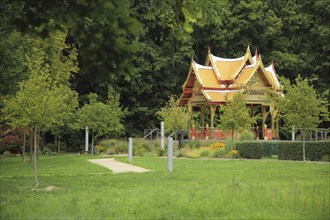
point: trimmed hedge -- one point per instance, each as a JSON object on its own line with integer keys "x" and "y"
{"x": 315, "y": 150}
{"x": 251, "y": 150}
{"x": 286, "y": 150}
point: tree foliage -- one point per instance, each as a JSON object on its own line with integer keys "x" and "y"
{"x": 301, "y": 106}
{"x": 235, "y": 115}
{"x": 175, "y": 117}
{"x": 143, "y": 48}
{"x": 101, "y": 118}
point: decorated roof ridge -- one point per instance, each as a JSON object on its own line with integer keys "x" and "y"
{"x": 212, "y": 59}
{"x": 189, "y": 73}
{"x": 256, "y": 66}
{"x": 255, "y": 57}
{"x": 221, "y": 90}
{"x": 247, "y": 57}
{"x": 199, "y": 66}
{"x": 216, "y": 58}
{"x": 272, "y": 71}
{"x": 248, "y": 54}
{"x": 224, "y": 92}
{"x": 261, "y": 65}
{"x": 199, "y": 79}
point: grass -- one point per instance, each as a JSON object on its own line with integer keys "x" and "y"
{"x": 196, "y": 189}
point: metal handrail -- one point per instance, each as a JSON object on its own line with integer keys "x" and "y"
{"x": 150, "y": 133}
{"x": 171, "y": 134}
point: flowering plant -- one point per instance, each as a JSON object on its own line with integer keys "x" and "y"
{"x": 216, "y": 145}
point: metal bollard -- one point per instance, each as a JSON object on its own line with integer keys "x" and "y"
{"x": 170, "y": 154}
{"x": 130, "y": 149}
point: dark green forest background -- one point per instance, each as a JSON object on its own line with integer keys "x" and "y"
{"x": 143, "y": 48}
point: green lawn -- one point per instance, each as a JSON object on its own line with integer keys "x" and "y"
{"x": 196, "y": 189}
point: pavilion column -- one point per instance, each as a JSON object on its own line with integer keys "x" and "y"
{"x": 273, "y": 115}
{"x": 264, "y": 116}
{"x": 202, "y": 117}
{"x": 190, "y": 110}
{"x": 252, "y": 114}
{"x": 212, "y": 111}
{"x": 251, "y": 110}
{"x": 277, "y": 130}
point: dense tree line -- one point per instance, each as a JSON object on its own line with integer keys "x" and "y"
{"x": 142, "y": 49}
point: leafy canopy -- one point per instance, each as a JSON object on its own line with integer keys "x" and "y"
{"x": 45, "y": 99}
{"x": 235, "y": 116}
{"x": 101, "y": 118}
{"x": 301, "y": 106}
{"x": 175, "y": 117}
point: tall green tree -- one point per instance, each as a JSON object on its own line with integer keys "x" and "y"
{"x": 302, "y": 107}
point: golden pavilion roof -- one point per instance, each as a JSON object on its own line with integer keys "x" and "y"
{"x": 221, "y": 78}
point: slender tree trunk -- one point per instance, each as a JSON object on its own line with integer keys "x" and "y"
{"x": 31, "y": 144}
{"x": 35, "y": 158}
{"x": 232, "y": 143}
{"x": 38, "y": 143}
{"x": 59, "y": 145}
{"x": 304, "y": 144}
{"x": 24, "y": 144}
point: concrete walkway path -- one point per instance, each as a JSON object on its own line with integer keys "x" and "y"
{"x": 118, "y": 167}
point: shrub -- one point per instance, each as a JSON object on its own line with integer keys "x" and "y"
{"x": 316, "y": 150}
{"x": 251, "y": 150}
{"x": 247, "y": 136}
{"x": 217, "y": 145}
{"x": 101, "y": 149}
{"x": 270, "y": 147}
{"x": 218, "y": 153}
{"x": 161, "y": 152}
{"x": 234, "y": 154}
{"x": 193, "y": 154}
{"x": 48, "y": 151}
{"x": 182, "y": 152}
{"x": 294, "y": 150}
{"x": 113, "y": 146}
{"x": 205, "y": 151}
{"x": 10, "y": 143}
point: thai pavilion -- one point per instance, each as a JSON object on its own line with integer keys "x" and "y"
{"x": 211, "y": 85}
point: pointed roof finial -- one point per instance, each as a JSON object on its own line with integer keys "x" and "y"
{"x": 259, "y": 59}
{"x": 248, "y": 50}
{"x": 256, "y": 53}
{"x": 209, "y": 49}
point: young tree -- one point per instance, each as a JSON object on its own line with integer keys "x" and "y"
{"x": 175, "y": 117}
{"x": 235, "y": 116}
{"x": 302, "y": 107}
{"x": 101, "y": 118}
{"x": 45, "y": 99}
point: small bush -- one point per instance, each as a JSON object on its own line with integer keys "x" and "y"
{"x": 161, "y": 152}
{"x": 10, "y": 143}
{"x": 234, "y": 154}
{"x": 100, "y": 149}
{"x": 48, "y": 151}
{"x": 247, "y": 136}
{"x": 112, "y": 146}
{"x": 187, "y": 152}
{"x": 218, "y": 153}
{"x": 217, "y": 145}
{"x": 205, "y": 151}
